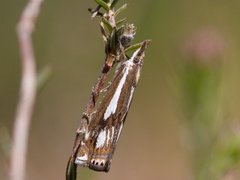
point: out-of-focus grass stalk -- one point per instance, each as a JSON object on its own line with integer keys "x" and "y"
{"x": 213, "y": 154}
{"x": 201, "y": 85}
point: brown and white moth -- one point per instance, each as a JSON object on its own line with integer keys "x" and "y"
{"x": 104, "y": 127}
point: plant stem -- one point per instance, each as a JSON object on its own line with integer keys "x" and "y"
{"x": 27, "y": 91}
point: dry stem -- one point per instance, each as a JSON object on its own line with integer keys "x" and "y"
{"x": 27, "y": 91}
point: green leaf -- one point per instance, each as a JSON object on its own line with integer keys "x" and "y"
{"x": 119, "y": 10}
{"x": 103, "y": 4}
{"x": 113, "y": 45}
{"x": 120, "y": 30}
{"x": 120, "y": 21}
{"x": 133, "y": 47}
{"x": 113, "y": 40}
{"x": 114, "y": 2}
{"x": 107, "y": 24}
{"x": 71, "y": 171}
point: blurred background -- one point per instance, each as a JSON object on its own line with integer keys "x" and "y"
{"x": 184, "y": 121}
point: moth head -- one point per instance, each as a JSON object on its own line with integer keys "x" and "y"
{"x": 140, "y": 53}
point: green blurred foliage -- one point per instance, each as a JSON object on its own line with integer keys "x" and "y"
{"x": 169, "y": 108}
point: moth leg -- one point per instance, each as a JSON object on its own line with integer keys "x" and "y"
{"x": 105, "y": 88}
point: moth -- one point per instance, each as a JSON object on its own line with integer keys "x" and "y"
{"x": 97, "y": 147}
